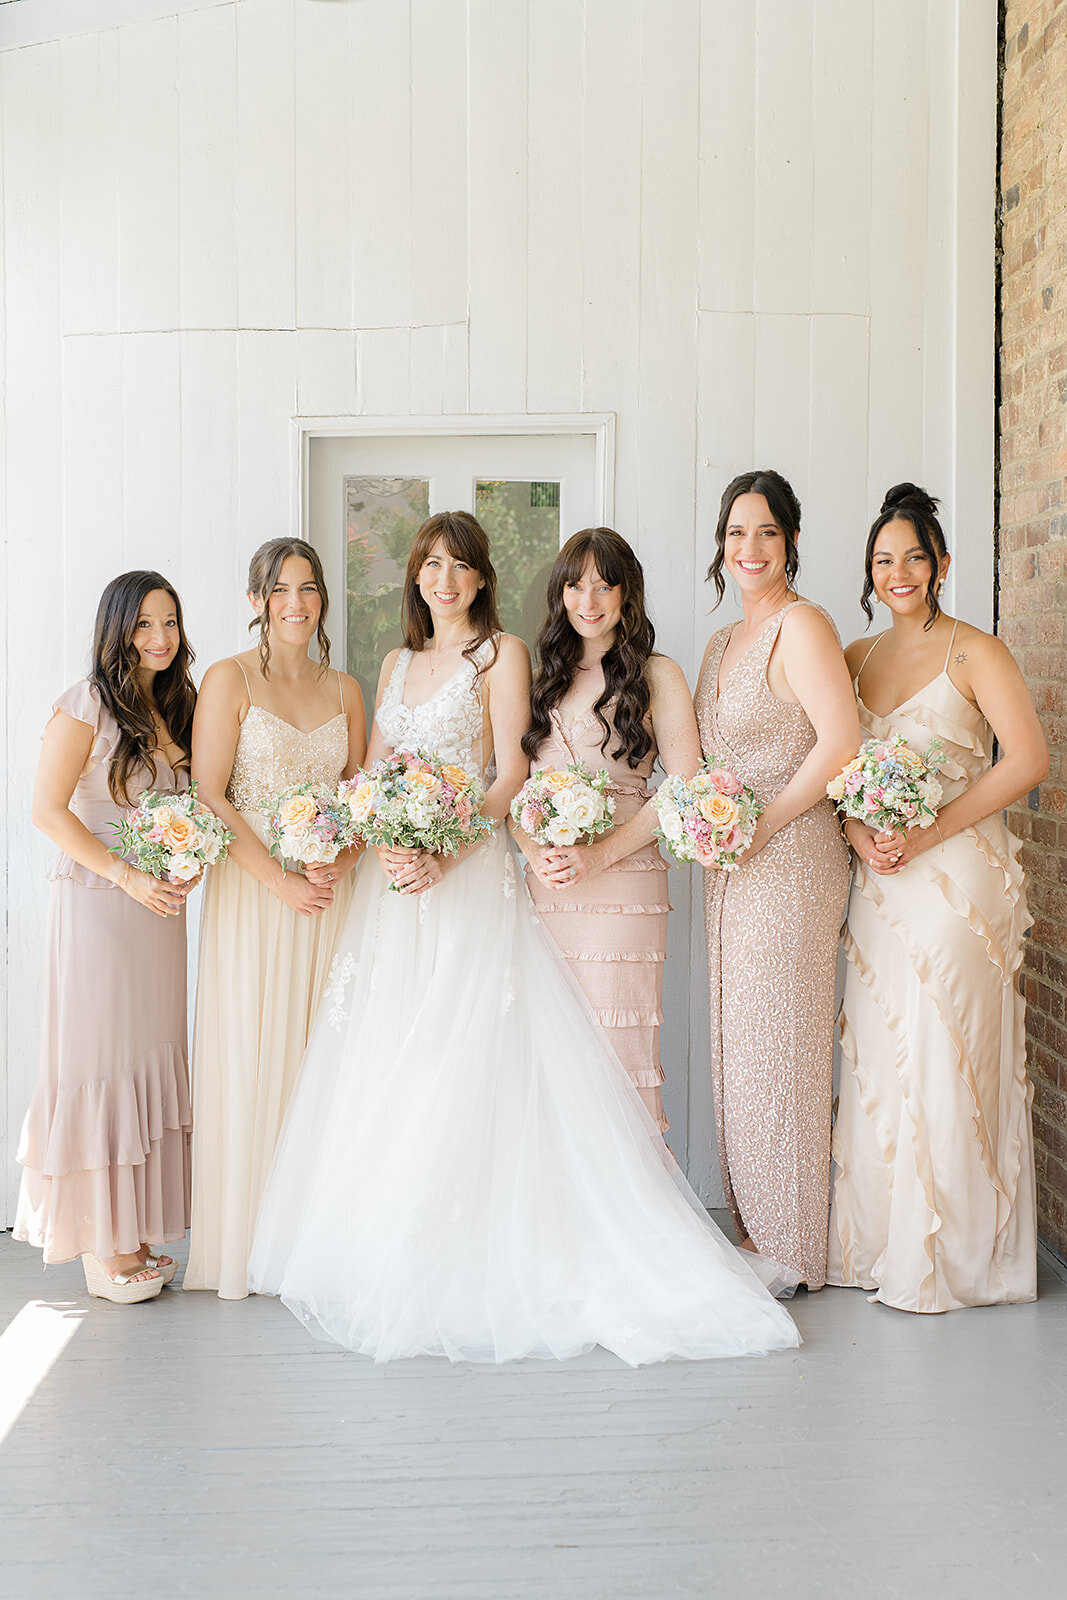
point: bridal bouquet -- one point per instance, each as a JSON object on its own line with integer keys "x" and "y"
{"x": 563, "y": 806}
{"x": 888, "y": 785}
{"x": 172, "y": 836}
{"x": 309, "y": 825}
{"x": 416, "y": 801}
{"x": 709, "y": 818}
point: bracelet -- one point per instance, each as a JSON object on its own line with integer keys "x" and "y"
{"x": 937, "y": 830}
{"x": 125, "y": 875}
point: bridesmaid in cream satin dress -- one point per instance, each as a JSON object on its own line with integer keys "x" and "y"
{"x": 266, "y": 719}
{"x": 774, "y": 705}
{"x": 605, "y": 902}
{"x": 933, "y": 1202}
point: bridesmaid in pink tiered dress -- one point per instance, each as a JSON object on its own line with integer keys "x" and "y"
{"x": 603, "y": 696}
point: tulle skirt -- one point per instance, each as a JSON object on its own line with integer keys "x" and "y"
{"x": 466, "y": 1169}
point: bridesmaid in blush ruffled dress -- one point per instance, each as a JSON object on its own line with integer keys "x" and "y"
{"x": 105, "y": 1145}
{"x": 603, "y": 696}
{"x": 933, "y": 1204}
{"x": 267, "y": 719}
{"x": 775, "y": 705}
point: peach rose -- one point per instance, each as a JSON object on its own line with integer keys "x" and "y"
{"x": 455, "y": 776}
{"x": 361, "y": 801}
{"x": 297, "y": 812}
{"x": 178, "y": 832}
{"x": 558, "y": 780}
{"x": 719, "y": 811}
{"x": 425, "y": 780}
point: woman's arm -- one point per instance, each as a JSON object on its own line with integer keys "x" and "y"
{"x": 675, "y": 726}
{"x": 990, "y": 677}
{"x": 216, "y": 730}
{"x": 815, "y": 673}
{"x": 64, "y": 752}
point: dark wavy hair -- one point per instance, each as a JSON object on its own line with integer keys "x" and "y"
{"x": 784, "y": 508}
{"x": 908, "y": 503}
{"x": 625, "y": 665}
{"x": 116, "y": 679}
{"x": 263, "y": 570}
{"x": 464, "y": 539}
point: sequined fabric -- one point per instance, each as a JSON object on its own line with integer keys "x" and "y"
{"x": 612, "y": 928}
{"x": 272, "y": 755}
{"x": 772, "y": 928}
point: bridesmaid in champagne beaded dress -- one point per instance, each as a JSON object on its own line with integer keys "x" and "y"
{"x": 602, "y": 696}
{"x": 266, "y": 720}
{"x": 775, "y": 706}
{"x": 933, "y": 1202}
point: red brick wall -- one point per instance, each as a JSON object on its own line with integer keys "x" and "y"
{"x": 1032, "y": 579}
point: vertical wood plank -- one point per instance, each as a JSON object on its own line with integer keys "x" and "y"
{"x": 33, "y": 512}
{"x": 93, "y": 449}
{"x": 497, "y": 98}
{"x": 380, "y": 92}
{"x": 207, "y": 69}
{"x": 438, "y": 162}
{"x": 611, "y": 231}
{"x": 727, "y": 157}
{"x": 265, "y": 170}
{"x": 383, "y": 357}
{"x": 148, "y": 176}
{"x": 783, "y": 174}
{"x": 266, "y": 404}
{"x": 151, "y": 450}
{"x": 783, "y": 397}
{"x": 843, "y": 67}
{"x": 667, "y": 410}
{"x": 898, "y": 244}
{"x": 325, "y": 373}
{"x": 211, "y": 579}
{"x": 835, "y": 503}
{"x": 325, "y": 94}
{"x": 554, "y": 249}
{"x": 89, "y": 69}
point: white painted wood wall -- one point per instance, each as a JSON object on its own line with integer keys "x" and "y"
{"x": 759, "y": 231}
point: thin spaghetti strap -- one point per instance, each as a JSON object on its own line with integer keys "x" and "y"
{"x": 248, "y": 686}
{"x": 951, "y": 642}
{"x": 874, "y": 645}
{"x": 340, "y": 692}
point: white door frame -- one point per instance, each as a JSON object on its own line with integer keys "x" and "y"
{"x": 601, "y": 424}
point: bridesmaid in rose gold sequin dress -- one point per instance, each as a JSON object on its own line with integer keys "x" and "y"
{"x": 605, "y": 902}
{"x": 773, "y": 923}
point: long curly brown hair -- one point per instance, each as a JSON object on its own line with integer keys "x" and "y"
{"x": 116, "y": 680}
{"x": 263, "y": 570}
{"x": 465, "y": 540}
{"x": 625, "y": 665}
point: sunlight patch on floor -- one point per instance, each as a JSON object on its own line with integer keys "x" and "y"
{"x": 30, "y": 1345}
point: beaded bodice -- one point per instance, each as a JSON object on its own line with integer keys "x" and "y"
{"x": 272, "y": 755}
{"x": 448, "y": 724}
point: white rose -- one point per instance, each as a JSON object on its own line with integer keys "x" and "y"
{"x": 561, "y": 831}
{"x": 182, "y": 868}
{"x": 671, "y": 823}
{"x": 211, "y": 848}
{"x": 585, "y": 811}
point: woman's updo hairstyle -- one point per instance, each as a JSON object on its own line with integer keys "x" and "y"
{"x": 263, "y": 572}
{"x": 908, "y": 503}
{"x": 784, "y": 508}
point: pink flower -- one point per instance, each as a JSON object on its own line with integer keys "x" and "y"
{"x": 532, "y": 817}
{"x": 726, "y": 782}
{"x": 871, "y": 801}
{"x": 854, "y": 783}
{"x": 733, "y": 841}
{"x": 464, "y": 809}
{"x": 156, "y": 834}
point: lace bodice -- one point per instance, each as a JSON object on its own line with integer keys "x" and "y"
{"x": 449, "y": 724}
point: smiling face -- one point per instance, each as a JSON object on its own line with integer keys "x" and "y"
{"x": 294, "y": 604}
{"x": 593, "y": 607}
{"x": 447, "y": 584}
{"x": 156, "y": 635}
{"x": 901, "y": 570}
{"x": 754, "y": 552}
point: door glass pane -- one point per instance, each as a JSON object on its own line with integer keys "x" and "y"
{"x": 522, "y": 520}
{"x": 382, "y": 516}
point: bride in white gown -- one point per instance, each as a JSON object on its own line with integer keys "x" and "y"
{"x": 466, "y": 1169}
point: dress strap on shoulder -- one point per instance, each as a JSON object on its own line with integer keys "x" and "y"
{"x": 248, "y": 686}
{"x": 872, "y": 647}
{"x": 951, "y": 642}
{"x": 340, "y": 691}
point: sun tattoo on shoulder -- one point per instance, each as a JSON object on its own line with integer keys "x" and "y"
{"x": 961, "y": 657}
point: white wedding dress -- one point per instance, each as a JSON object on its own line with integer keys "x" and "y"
{"x": 466, "y": 1169}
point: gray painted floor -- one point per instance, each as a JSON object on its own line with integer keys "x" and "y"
{"x": 193, "y": 1447}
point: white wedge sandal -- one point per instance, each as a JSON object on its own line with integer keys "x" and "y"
{"x": 124, "y": 1288}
